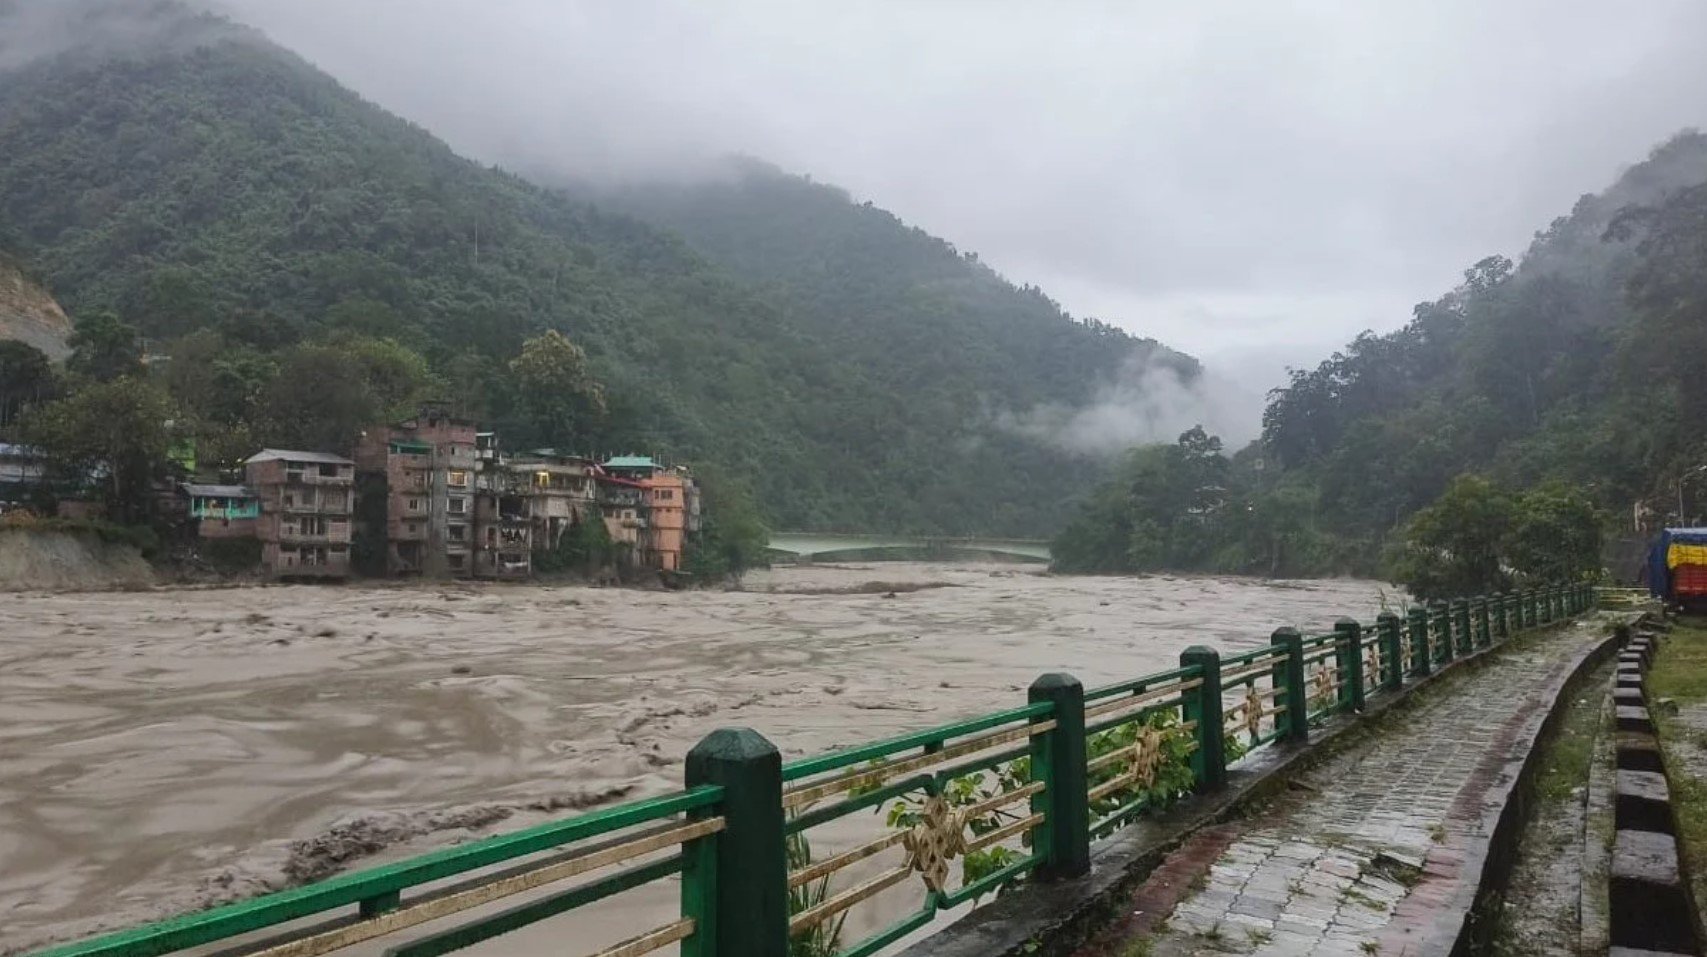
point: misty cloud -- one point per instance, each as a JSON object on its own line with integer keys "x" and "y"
{"x": 32, "y": 31}
{"x": 1295, "y": 171}
{"x": 1148, "y": 403}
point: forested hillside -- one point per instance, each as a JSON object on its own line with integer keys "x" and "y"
{"x": 1577, "y": 371}
{"x": 935, "y": 323}
{"x": 257, "y": 222}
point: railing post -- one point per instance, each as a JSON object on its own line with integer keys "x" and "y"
{"x": 1058, "y": 757}
{"x": 1528, "y": 608}
{"x": 1392, "y": 650}
{"x": 1461, "y": 627}
{"x": 1440, "y": 622}
{"x": 1351, "y": 664}
{"x": 1421, "y": 663}
{"x": 750, "y": 892}
{"x": 1203, "y": 705}
{"x": 1502, "y": 616}
{"x": 1288, "y": 676}
{"x": 1484, "y": 633}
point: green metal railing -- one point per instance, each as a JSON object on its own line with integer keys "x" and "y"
{"x": 1012, "y": 796}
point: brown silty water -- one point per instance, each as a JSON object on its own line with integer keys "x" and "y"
{"x": 165, "y": 750}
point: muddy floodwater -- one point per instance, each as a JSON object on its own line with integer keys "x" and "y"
{"x": 163, "y": 750}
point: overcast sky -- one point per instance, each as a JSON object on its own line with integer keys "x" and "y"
{"x": 1251, "y": 182}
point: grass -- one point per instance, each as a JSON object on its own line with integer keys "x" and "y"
{"x": 1258, "y": 936}
{"x": 1570, "y": 753}
{"x": 1139, "y": 947}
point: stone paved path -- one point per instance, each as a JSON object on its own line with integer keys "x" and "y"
{"x": 1367, "y": 857}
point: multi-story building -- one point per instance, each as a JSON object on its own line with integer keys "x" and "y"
{"x": 622, "y": 505}
{"x": 560, "y": 491}
{"x": 423, "y": 470}
{"x": 503, "y": 527}
{"x": 655, "y": 508}
{"x": 306, "y": 501}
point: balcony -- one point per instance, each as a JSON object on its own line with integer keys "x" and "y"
{"x": 296, "y": 536}
{"x": 338, "y": 506}
{"x": 315, "y": 478}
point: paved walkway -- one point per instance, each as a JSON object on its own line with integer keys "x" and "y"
{"x": 1368, "y": 854}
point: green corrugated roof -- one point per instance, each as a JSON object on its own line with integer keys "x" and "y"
{"x": 631, "y": 462}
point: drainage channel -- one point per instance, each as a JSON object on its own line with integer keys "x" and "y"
{"x": 1652, "y": 911}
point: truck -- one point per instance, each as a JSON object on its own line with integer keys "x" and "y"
{"x": 1677, "y": 567}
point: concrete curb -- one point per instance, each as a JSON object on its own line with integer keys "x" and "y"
{"x": 1653, "y": 911}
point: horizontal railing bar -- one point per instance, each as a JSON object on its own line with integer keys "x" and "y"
{"x": 1139, "y": 715}
{"x": 991, "y": 880}
{"x": 651, "y": 940}
{"x": 1115, "y": 818}
{"x": 1254, "y": 655}
{"x": 824, "y": 815}
{"x": 532, "y": 912}
{"x": 1254, "y": 671}
{"x": 983, "y": 762}
{"x": 807, "y": 767}
{"x": 826, "y": 909}
{"x": 815, "y": 792}
{"x": 1122, "y": 704}
{"x": 895, "y": 931}
{"x": 1002, "y": 800}
{"x": 1141, "y": 683}
{"x": 189, "y": 930}
{"x": 1003, "y": 833}
{"x": 807, "y": 875}
{"x": 486, "y": 889}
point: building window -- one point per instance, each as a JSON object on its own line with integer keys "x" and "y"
{"x": 458, "y": 506}
{"x": 456, "y": 532}
{"x": 289, "y": 500}
{"x": 458, "y": 479}
{"x": 455, "y": 562}
{"x": 414, "y": 505}
{"x": 664, "y": 495}
{"x": 328, "y": 470}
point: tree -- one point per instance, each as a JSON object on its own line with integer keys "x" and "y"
{"x": 732, "y": 537}
{"x": 396, "y": 376}
{"x": 318, "y": 400}
{"x": 1555, "y": 536}
{"x": 1454, "y": 547}
{"x": 562, "y": 403}
{"x": 118, "y": 426}
{"x": 104, "y": 347}
{"x": 26, "y": 379}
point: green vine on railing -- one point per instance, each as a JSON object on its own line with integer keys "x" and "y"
{"x": 966, "y": 791}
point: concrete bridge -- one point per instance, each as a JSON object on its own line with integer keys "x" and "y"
{"x": 821, "y": 546}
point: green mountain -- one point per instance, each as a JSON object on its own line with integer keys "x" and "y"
{"x": 1578, "y": 367}
{"x": 199, "y": 181}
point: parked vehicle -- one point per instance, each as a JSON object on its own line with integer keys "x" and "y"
{"x": 1677, "y": 567}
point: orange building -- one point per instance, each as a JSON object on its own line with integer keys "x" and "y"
{"x": 667, "y": 511}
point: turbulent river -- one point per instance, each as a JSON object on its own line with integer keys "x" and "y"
{"x": 164, "y": 750}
